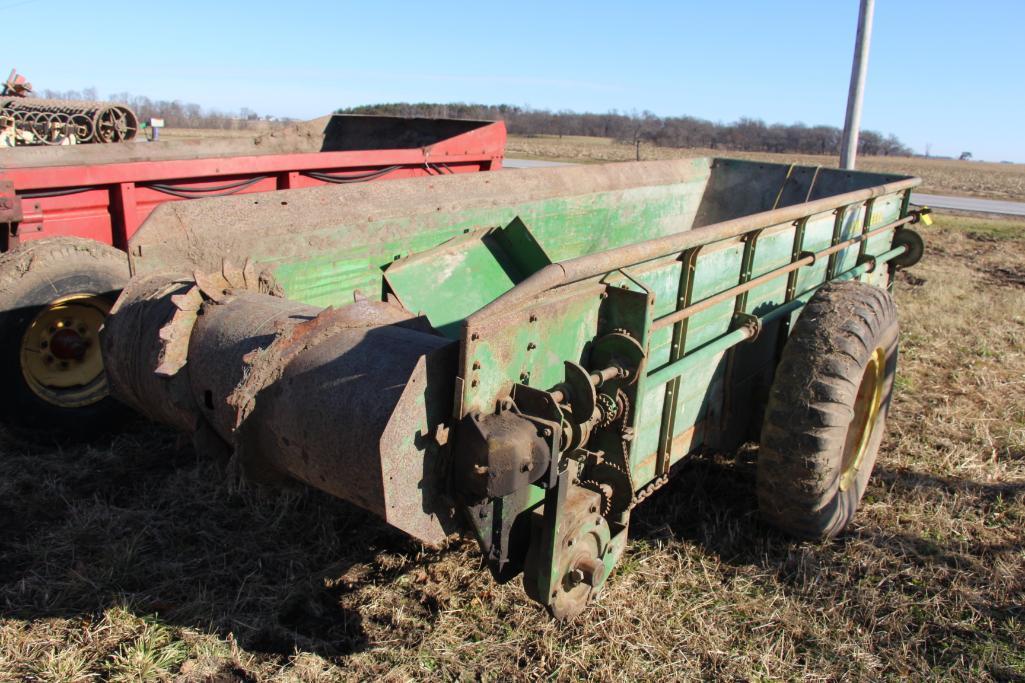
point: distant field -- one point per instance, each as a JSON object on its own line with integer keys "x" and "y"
{"x": 940, "y": 176}
{"x": 133, "y": 559}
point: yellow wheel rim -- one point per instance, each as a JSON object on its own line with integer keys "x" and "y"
{"x": 60, "y": 351}
{"x": 866, "y": 413}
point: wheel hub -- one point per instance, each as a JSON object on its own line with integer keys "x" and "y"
{"x": 68, "y": 344}
{"x": 866, "y": 412}
{"x": 60, "y": 351}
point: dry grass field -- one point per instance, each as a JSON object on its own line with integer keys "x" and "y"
{"x": 132, "y": 559}
{"x": 940, "y": 176}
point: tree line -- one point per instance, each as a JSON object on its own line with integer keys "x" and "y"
{"x": 746, "y": 134}
{"x": 176, "y": 114}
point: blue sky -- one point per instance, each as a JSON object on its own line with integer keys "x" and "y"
{"x": 945, "y": 73}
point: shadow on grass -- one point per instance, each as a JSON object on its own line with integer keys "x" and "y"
{"x": 711, "y": 503}
{"x": 138, "y": 521}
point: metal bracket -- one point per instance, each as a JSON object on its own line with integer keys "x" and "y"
{"x": 752, "y": 322}
{"x": 10, "y": 204}
{"x": 869, "y": 260}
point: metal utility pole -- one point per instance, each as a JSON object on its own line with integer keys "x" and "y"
{"x": 852, "y": 124}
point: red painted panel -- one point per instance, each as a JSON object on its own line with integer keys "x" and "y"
{"x": 117, "y": 198}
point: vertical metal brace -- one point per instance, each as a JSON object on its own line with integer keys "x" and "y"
{"x": 740, "y": 308}
{"x": 750, "y": 239}
{"x": 554, "y": 509}
{"x": 800, "y": 226}
{"x": 779, "y": 195}
{"x": 811, "y": 185}
{"x": 795, "y": 253}
{"x": 684, "y": 297}
{"x": 866, "y": 225}
{"x": 841, "y": 214}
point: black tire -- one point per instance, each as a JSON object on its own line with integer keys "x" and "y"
{"x": 827, "y": 410}
{"x": 79, "y": 275}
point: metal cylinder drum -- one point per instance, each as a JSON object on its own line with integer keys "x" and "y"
{"x": 223, "y": 336}
{"x": 346, "y": 400}
{"x": 132, "y": 349}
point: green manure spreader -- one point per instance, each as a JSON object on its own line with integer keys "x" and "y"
{"x": 525, "y": 356}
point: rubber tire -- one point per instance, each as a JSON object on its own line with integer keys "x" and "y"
{"x": 811, "y": 405}
{"x": 31, "y": 276}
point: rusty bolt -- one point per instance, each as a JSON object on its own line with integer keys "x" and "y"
{"x": 590, "y": 570}
{"x": 547, "y": 431}
{"x": 524, "y": 377}
{"x": 531, "y": 346}
{"x": 474, "y": 382}
{"x": 476, "y": 365}
{"x": 533, "y": 317}
{"x": 474, "y": 336}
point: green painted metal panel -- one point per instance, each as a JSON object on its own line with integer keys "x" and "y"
{"x": 565, "y": 227}
{"x": 456, "y": 278}
{"x": 818, "y": 235}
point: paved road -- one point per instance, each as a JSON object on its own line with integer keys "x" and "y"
{"x": 934, "y": 201}
{"x": 937, "y": 201}
{"x": 531, "y": 163}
